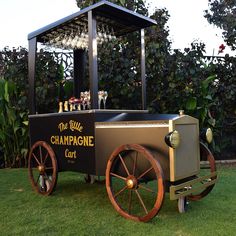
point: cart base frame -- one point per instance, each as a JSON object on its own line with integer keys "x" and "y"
{"x": 189, "y": 187}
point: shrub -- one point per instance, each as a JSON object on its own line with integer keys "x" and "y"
{"x": 13, "y": 126}
{"x": 14, "y": 138}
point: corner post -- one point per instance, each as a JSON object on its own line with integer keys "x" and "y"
{"x": 31, "y": 74}
{"x": 143, "y": 71}
{"x": 79, "y": 71}
{"x": 93, "y": 67}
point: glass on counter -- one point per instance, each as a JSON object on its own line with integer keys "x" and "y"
{"x": 84, "y": 102}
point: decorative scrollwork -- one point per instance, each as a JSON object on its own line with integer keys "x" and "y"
{"x": 66, "y": 59}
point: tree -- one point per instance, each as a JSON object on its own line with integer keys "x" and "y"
{"x": 134, "y": 5}
{"x": 222, "y": 13}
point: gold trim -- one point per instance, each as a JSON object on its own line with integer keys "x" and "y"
{"x": 41, "y": 168}
{"x": 105, "y": 126}
{"x": 130, "y": 183}
{"x": 175, "y": 139}
{"x": 181, "y": 112}
{"x": 172, "y": 154}
{"x": 209, "y": 135}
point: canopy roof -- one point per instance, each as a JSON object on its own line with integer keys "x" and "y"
{"x": 119, "y": 19}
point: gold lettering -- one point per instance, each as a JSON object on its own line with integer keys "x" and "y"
{"x": 53, "y": 139}
{"x": 66, "y": 140}
{"x": 63, "y": 126}
{"x": 86, "y": 141}
{"x": 71, "y": 138}
{"x": 74, "y": 125}
{"x": 75, "y": 143}
{"x": 70, "y": 154}
{"x": 80, "y": 140}
{"x": 61, "y": 140}
{"x": 91, "y": 144}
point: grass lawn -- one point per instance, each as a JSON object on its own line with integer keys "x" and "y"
{"x": 77, "y": 208}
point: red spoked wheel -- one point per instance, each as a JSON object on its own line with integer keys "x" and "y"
{"x": 134, "y": 182}
{"x": 42, "y": 167}
{"x": 206, "y": 156}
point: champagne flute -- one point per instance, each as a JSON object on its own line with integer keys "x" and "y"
{"x": 82, "y": 100}
{"x": 105, "y": 95}
{"x": 86, "y": 98}
{"x": 100, "y": 98}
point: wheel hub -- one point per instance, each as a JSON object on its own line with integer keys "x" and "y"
{"x": 41, "y": 168}
{"x": 131, "y": 182}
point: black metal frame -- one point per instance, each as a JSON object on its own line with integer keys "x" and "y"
{"x": 123, "y": 20}
{"x": 79, "y": 71}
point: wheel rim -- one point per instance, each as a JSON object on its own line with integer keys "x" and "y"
{"x": 42, "y": 167}
{"x": 206, "y": 155}
{"x": 136, "y": 193}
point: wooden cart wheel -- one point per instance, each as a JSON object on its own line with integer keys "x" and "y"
{"x": 134, "y": 182}
{"x": 205, "y": 155}
{"x": 42, "y": 167}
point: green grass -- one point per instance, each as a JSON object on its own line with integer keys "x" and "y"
{"x": 77, "y": 208}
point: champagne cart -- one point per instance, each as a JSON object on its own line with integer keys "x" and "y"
{"x": 142, "y": 156}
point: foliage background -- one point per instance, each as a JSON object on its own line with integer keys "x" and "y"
{"x": 222, "y": 14}
{"x": 204, "y": 87}
{"x": 14, "y": 138}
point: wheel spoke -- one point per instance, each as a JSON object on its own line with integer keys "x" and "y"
{"x": 146, "y": 188}
{"x": 123, "y": 163}
{"x": 38, "y": 179}
{"x": 130, "y": 200}
{"x": 141, "y": 201}
{"x": 43, "y": 183}
{"x": 45, "y": 175}
{"x": 36, "y": 159}
{"x": 45, "y": 158}
{"x": 118, "y": 176}
{"x": 40, "y": 153}
{"x": 122, "y": 190}
{"x": 144, "y": 173}
{"x": 48, "y": 168}
{"x": 135, "y": 163}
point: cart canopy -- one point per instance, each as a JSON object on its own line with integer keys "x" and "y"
{"x": 122, "y": 21}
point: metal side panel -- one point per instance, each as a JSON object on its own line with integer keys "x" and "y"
{"x": 112, "y": 135}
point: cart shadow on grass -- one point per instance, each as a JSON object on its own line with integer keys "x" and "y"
{"x": 77, "y": 188}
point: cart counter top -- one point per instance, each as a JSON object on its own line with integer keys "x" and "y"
{"x": 113, "y": 115}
